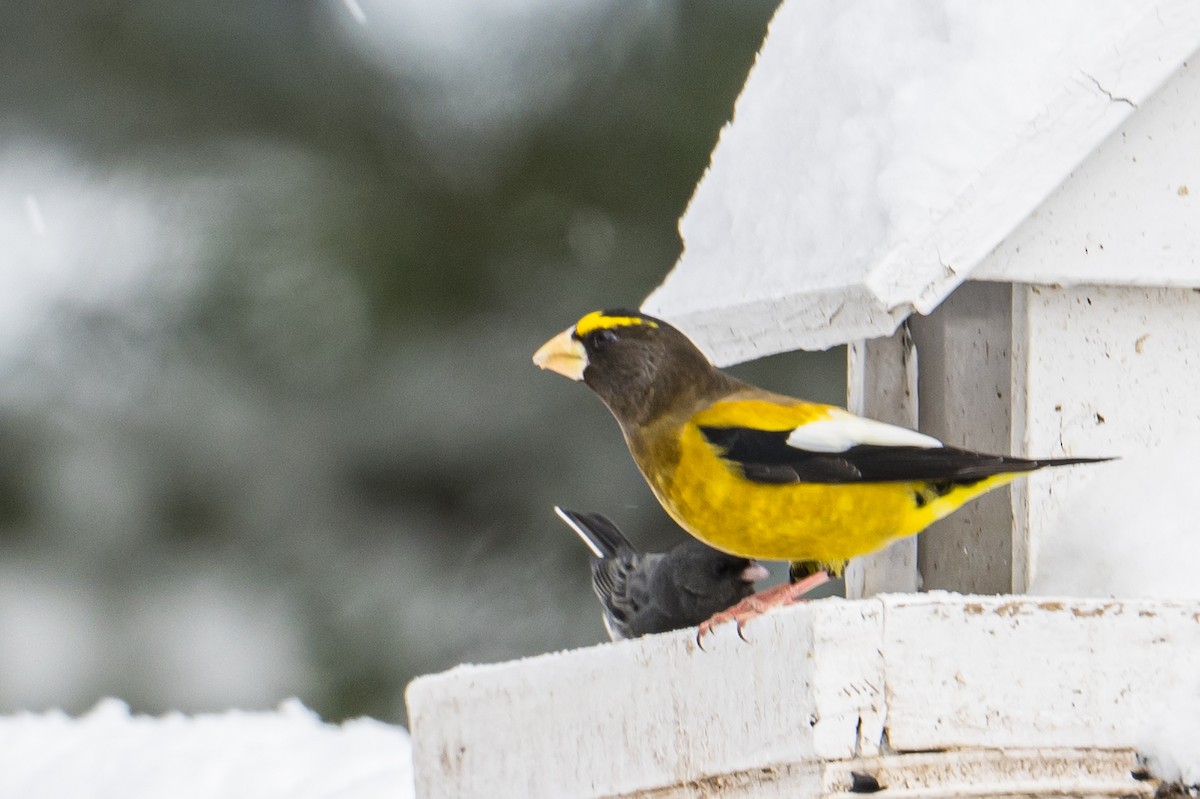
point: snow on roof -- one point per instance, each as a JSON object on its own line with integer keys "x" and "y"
{"x": 879, "y": 151}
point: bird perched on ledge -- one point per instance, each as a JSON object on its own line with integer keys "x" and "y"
{"x": 759, "y": 474}
{"x": 654, "y": 592}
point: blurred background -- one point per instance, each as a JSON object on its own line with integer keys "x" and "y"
{"x": 271, "y": 276}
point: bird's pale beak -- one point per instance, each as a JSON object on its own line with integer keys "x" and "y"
{"x": 563, "y": 354}
{"x": 755, "y": 572}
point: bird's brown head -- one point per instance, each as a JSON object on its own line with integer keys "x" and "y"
{"x": 639, "y": 365}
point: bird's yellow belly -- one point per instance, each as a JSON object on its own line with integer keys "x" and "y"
{"x": 827, "y": 522}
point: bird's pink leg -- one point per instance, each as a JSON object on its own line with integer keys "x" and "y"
{"x": 758, "y": 604}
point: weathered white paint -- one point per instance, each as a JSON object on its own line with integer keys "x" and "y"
{"x": 819, "y": 691}
{"x": 881, "y": 383}
{"x": 1017, "y": 672}
{"x": 1098, "y": 371}
{"x": 544, "y": 726}
{"x": 1130, "y": 214}
{"x": 954, "y": 774}
{"x": 768, "y": 266}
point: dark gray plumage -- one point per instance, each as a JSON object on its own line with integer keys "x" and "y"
{"x": 654, "y": 592}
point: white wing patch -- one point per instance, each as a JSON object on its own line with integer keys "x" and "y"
{"x": 843, "y": 430}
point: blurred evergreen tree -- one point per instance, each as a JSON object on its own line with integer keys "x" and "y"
{"x": 315, "y": 397}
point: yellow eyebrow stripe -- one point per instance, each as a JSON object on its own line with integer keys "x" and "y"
{"x": 596, "y": 320}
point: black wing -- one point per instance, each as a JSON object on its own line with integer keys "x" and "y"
{"x": 765, "y": 457}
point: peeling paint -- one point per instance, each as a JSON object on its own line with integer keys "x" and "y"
{"x": 931, "y": 694}
{"x": 1008, "y": 609}
{"x": 1089, "y": 613}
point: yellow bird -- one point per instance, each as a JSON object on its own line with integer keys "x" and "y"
{"x": 758, "y": 474}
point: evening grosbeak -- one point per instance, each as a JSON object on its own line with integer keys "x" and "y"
{"x": 759, "y": 474}
{"x": 654, "y": 592}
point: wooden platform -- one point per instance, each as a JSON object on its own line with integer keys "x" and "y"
{"x": 925, "y": 695}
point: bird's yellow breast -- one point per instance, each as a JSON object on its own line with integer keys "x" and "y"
{"x": 828, "y": 522}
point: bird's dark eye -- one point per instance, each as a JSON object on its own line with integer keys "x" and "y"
{"x": 602, "y": 338}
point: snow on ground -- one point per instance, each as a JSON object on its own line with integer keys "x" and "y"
{"x": 287, "y": 753}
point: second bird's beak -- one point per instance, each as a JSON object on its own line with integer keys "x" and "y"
{"x": 755, "y": 572}
{"x": 563, "y": 354}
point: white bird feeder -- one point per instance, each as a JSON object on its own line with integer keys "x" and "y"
{"x": 997, "y": 207}
{"x": 1016, "y": 272}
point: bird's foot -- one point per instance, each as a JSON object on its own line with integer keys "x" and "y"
{"x": 757, "y": 604}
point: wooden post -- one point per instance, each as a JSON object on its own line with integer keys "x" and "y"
{"x": 881, "y": 384}
{"x": 1098, "y": 371}
{"x": 965, "y": 389}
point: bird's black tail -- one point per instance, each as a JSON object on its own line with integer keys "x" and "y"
{"x": 602, "y": 537}
{"x": 1042, "y": 462}
{"x": 948, "y": 464}
{"x": 1010, "y": 464}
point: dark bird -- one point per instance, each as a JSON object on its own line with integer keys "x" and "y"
{"x": 654, "y": 592}
{"x": 759, "y": 474}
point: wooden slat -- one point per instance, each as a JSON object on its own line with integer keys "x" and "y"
{"x": 819, "y": 690}
{"x": 882, "y": 384}
{"x": 965, "y": 390}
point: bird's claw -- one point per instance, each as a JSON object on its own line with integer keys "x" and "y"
{"x": 741, "y": 616}
{"x": 706, "y": 628}
{"x": 758, "y": 604}
{"x": 742, "y": 635}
